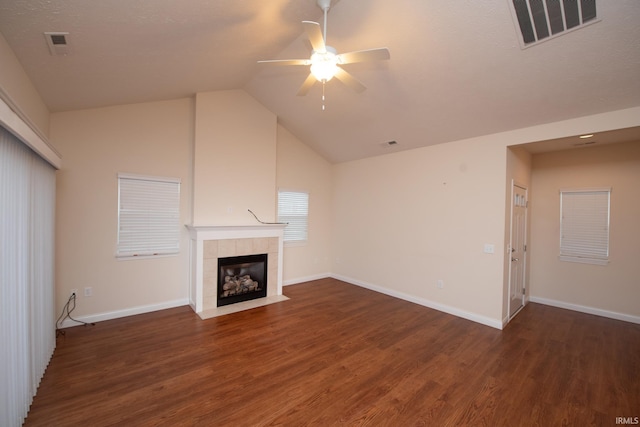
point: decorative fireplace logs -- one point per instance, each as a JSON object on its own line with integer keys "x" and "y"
{"x": 237, "y": 285}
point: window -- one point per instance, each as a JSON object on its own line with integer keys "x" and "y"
{"x": 542, "y": 19}
{"x": 293, "y": 208}
{"x": 148, "y": 216}
{"x": 584, "y": 225}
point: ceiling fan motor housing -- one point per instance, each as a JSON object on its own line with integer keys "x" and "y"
{"x": 324, "y": 4}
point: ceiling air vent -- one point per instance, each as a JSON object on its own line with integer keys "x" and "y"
{"x": 389, "y": 143}
{"x": 57, "y": 42}
{"x": 540, "y": 20}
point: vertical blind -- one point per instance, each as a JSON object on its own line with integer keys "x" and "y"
{"x": 584, "y": 225}
{"x": 27, "y": 299}
{"x": 148, "y": 216}
{"x": 293, "y": 208}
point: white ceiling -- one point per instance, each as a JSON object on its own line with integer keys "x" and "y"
{"x": 456, "y": 68}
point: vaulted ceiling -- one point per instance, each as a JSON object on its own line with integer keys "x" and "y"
{"x": 457, "y": 69}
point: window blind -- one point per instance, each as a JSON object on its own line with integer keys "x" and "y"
{"x": 27, "y": 289}
{"x": 293, "y": 208}
{"x": 148, "y": 216}
{"x": 584, "y": 225}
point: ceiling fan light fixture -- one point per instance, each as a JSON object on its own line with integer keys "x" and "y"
{"x": 324, "y": 65}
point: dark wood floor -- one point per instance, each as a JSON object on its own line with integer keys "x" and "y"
{"x": 336, "y": 354}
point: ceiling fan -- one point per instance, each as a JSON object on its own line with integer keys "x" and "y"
{"x": 325, "y": 62}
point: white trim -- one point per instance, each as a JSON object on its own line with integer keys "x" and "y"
{"x": 221, "y": 232}
{"x": 585, "y": 189}
{"x": 494, "y": 323}
{"x": 125, "y": 175}
{"x": 18, "y": 125}
{"x": 588, "y": 310}
{"x": 124, "y": 313}
{"x": 306, "y": 279}
{"x": 594, "y": 261}
{"x": 505, "y": 320}
{"x": 295, "y": 243}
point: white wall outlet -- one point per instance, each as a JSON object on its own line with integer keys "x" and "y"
{"x": 440, "y": 284}
{"x": 88, "y": 291}
{"x": 489, "y": 248}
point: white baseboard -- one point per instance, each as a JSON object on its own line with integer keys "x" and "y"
{"x": 305, "y": 279}
{"x": 587, "y": 310}
{"x": 67, "y": 323}
{"x": 494, "y": 323}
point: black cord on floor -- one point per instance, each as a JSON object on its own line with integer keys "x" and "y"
{"x": 66, "y": 312}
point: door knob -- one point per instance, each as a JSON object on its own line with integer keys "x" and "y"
{"x": 515, "y": 259}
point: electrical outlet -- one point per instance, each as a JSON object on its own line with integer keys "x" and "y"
{"x": 88, "y": 291}
{"x": 489, "y": 248}
{"x": 440, "y": 284}
{"x": 74, "y": 291}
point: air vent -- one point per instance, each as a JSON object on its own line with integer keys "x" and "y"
{"x": 387, "y": 144}
{"x": 540, "y": 20}
{"x": 57, "y": 42}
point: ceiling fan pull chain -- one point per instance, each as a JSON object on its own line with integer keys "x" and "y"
{"x": 323, "y": 85}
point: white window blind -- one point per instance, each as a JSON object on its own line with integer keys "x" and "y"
{"x": 27, "y": 288}
{"x": 584, "y": 225}
{"x": 148, "y": 216}
{"x": 293, "y": 208}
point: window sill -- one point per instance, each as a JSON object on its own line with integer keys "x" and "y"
{"x": 593, "y": 261}
{"x": 295, "y": 244}
{"x": 149, "y": 256}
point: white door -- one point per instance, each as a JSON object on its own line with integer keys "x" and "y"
{"x": 518, "y": 248}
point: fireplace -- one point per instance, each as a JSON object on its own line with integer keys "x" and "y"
{"x": 210, "y": 243}
{"x": 241, "y": 278}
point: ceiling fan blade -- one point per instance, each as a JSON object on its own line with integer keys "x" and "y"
{"x": 286, "y": 62}
{"x": 315, "y": 36}
{"x": 380, "y": 53}
{"x": 306, "y": 85}
{"x": 349, "y": 80}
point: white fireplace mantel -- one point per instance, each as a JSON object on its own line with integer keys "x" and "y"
{"x": 221, "y": 232}
{"x": 200, "y": 234}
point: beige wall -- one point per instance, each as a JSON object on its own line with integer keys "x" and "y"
{"x": 17, "y": 86}
{"x": 300, "y": 168}
{"x": 235, "y": 160}
{"x": 395, "y": 223}
{"x": 165, "y": 139}
{"x": 22, "y": 110}
{"x": 404, "y": 221}
{"x": 614, "y": 288}
{"x": 147, "y": 139}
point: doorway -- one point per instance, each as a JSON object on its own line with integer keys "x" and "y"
{"x": 517, "y": 248}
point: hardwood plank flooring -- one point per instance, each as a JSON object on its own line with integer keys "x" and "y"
{"x": 337, "y": 354}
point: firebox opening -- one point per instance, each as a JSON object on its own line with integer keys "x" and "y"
{"x": 241, "y": 278}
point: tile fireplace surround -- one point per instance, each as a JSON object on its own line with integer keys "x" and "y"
{"x": 209, "y": 243}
